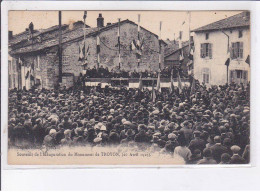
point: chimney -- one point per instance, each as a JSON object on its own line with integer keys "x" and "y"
{"x": 100, "y": 21}
{"x": 109, "y": 23}
{"x": 10, "y": 34}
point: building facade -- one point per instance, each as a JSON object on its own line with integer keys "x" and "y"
{"x": 227, "y": 39}
{"x": 39, "y": 56}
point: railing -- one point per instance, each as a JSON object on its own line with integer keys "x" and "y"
{"x": 133, "y": 80}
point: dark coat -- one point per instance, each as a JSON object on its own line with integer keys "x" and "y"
{"x": 217, "y": 151}
{"x": 236, "y": 159}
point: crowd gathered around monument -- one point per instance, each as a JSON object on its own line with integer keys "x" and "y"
{"x": 210, "y": 125}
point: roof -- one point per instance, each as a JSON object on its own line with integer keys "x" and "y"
{"x": 236, "y": 21}
{"x": 18, "y": 38}
{"x": 71, "y": 35}
{"x": 184, "y": 44}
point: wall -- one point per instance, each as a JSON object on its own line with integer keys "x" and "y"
{"x": 109, "y": 51}
{"x": 218, "y": 70}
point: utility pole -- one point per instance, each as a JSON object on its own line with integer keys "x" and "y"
{"x": 60, "y": 49}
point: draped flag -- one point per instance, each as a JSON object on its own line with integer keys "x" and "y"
{"x": 158, "y": 87}
{"x": 81, "y": 52}
{"x": 172, "y": 86}
{"x": 227, "y": 62}
{"x": 153, "y": 93}
{"x": 140, "y": 83}
{"x": 179, "y": 83}
{"x": 192, "y": 91}
{"x": 191, "y": 53}
{"x": 248, "y": 60}
{"x": 181, "y": 56}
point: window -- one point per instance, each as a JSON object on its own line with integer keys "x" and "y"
{"x": 237, "y": 50}
{"x": 239, "y": 74}
{"x": 205, "y": 75}
{"x": 240, "y": 34}
{"x": 9, "y": 66}
{"x": 206, "y": 50}
{"x": 207, "y": 36}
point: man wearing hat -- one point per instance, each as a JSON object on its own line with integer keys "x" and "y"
{"x": 218, "y": 149}
{"x": 197, "y": 142}
{"x": 236, "y": 158}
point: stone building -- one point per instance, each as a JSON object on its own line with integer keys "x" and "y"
{"x": 217, "y": 42}
{"x": 39, "y": 54}
{"x": 172, "y": 59}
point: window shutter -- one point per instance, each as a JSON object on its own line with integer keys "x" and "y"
{"x": 210, "y": 51}
{"x": 245, "y": 75}
{"x": 241, "y": 50}
{"x": 232, "y": 51}
{"x": 201, "y": 50}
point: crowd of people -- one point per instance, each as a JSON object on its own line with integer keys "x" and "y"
{"x": 208, "y": 126}
{"x": 102, "y": 72}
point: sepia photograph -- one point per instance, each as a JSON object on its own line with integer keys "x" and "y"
{"x": 126, "y": 87}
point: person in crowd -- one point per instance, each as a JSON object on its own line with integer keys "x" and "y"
{"x": 207, "y": 157}
{"x": 236, "y": 158}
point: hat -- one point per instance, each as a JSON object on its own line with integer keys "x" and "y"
{"x": 67, "y": 131}
{"x": 235, "y": 149}
{"x": 52, "y": 131}
{"x": 103, "y": 128}
{"x": 172, "y": 136}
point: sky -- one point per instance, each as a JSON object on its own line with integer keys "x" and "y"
{"x": 172, "y": 21}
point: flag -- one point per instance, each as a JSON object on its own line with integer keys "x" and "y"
{"x": 30, "y": 31}
{"x": 180, "y": 35}
{"x": 132, "y": 45}
{"x": 181, "y": 56}
{"x": 85, "y": 15}
{"x": 171, "y": 87}
{"x": 158, "y": 87}
{"x": 81, "y": 52}
{"x": 227, "y": 62}
{"x": 191, "y": 54}
{"x": 248, "y": 60}
{"x": 153, "y": 93}
{"x": 28, "y": 73}
{"x": 192, "y": 91}
{"x": 140, "y": 82}
{"x": 179, "y": 83}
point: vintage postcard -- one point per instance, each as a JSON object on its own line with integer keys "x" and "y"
{"x": 128, "y": 87}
